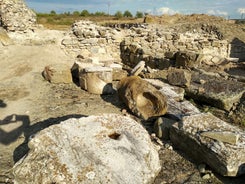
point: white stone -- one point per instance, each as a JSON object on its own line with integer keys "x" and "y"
{"x": 97, "y": 149}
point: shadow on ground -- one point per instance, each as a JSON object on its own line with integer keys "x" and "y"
{"x": 29, "y": 131}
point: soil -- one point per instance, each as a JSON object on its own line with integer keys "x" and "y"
{"x": 29, "y": 104}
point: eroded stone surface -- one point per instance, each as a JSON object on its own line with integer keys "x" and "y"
{"x": 96, "y": 149}
{"x": 226, "y": 159}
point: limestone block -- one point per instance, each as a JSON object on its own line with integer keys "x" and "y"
{"x": 96, "y": 80}
{"x": 225, "y": 158}
{"x": 179, "y": 77}
{"x": 143, "y": 99}
{"x": 57, "y": 73}
{"x": 216, "y": 92}
{"x": 186, "y": 59}
{"x": 98, "y": 149}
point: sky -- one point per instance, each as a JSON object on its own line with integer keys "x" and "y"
{"x": 225, "y": 8}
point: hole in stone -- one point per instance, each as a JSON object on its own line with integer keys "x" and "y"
{"x": 114, "y": 136}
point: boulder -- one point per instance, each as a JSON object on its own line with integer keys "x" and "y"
{"x": 143, "y": 99}
{"x": 57, "y": 73}
{"x": 97, "y": 149}
{"x": 207, "y": 139}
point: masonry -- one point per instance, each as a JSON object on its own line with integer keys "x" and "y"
{"x": 156, "y": 45}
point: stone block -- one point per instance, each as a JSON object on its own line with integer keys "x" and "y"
{"x": 96, "y": 80}
{"x": 143, "y": 99}
{"x": 179, "y": 77}
{"x": 225, "y": 157}
{"x": 97, "y": 149}
{"x": 57, "y": 73}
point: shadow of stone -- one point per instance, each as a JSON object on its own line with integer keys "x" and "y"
{"x": 2, "y": 104}
{"x": 23, "y": 148}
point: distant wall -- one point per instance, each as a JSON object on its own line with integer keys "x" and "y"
{"x": 134, "y": 43}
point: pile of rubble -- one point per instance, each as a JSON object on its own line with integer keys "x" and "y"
{"x": 16, "y": 16}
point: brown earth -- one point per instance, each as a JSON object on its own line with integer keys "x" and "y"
{"x": 29, "y": 104}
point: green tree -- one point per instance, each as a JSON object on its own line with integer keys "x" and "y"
{"x": 118, "y": 14}
{"x": 76, "y": 13}
{"x": 127, "y": 14}
{"x": 99, "y": 13}
{"x": 52, "y": 12}
{"x": 139, "y": 14}
{"x": 85, "y": 13}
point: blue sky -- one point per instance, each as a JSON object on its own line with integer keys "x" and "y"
{"x": 226, "y": 8}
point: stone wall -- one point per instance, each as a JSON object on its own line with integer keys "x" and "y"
{"x": 16, "y": 16}
{"x": 157, "y": 46}
{"x": 88, "y": 40}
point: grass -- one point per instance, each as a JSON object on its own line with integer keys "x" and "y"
{"x": 63, "y": 22}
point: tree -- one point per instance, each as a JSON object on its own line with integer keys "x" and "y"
{"x": 118, "y": 14}
{"x": 76, "y": 13}
{"x": 127, "y": 14}
{"x": 99, "y": 13}
{"x": 85, "y": 13}
{"x": 139, "y": 14}
{"x": 52, "y": 12}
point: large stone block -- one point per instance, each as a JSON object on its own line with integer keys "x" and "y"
{"x": 97, "y": 149}
{"x": 207, "y": 139}
{"x": 143, "y": 99}
{"x": 179, "y": 77}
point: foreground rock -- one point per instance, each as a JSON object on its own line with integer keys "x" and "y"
{"x": 208, "y": 139}
{"x": 143, "y": 99}
{"x": 96, "y": 149}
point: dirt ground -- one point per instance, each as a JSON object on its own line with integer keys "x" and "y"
{"x": 29, "y": 104}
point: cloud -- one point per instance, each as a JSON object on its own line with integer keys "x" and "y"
{"x": 166, "y": 10}
{"x": 217, "y": 12}
{"x": 241, "y": 10}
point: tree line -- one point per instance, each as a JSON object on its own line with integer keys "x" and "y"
{"x": 86, "y": 13}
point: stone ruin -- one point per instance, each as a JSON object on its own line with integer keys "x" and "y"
{"x": 16, "y": 16}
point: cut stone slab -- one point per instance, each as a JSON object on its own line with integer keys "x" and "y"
{"x": 225, "y": 158}
{"x": 98, "y": 149}
{"x": 57, "y": 73}
{"x": 216, "y": 92}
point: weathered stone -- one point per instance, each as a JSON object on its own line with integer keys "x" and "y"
{"x": 5, "y": 40}
{"x": 16, "y": 16}
{"x": 226, "y": 159}
{"x": 97, "y": 149}
{"x": 186, "y": 59}
{"x": 216, "y": 92}
{"x": 57, "y": 73}
{"x": 138, "y": 68}
{"x": 179, "y": 77}
{"x": 96, "y": 80}
{"x": 143, "y": 99}
{"x": 227, "y": 137}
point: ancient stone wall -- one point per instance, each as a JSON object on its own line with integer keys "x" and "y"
{"x": 16, "y": 16}
{"x": 89, "y": 40}
{"x": 157, "y": 46}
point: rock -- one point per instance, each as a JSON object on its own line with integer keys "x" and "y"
{"x": 57, "y": 73}
{"x": 143, "y": 99}
{"x": 162, "y": 127}
{"x": 226, "y": 159}
{"x": 5, "y": 40}
{"x": 138, "y": 68}
{"x": 96, "y": 80}
{"x": 179, "y": 77}
{"x": 186, "y": 59}
{"x": 219, "y": 93}
{"x": 97, "y": 149}
{"x": 16, "y": 16}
